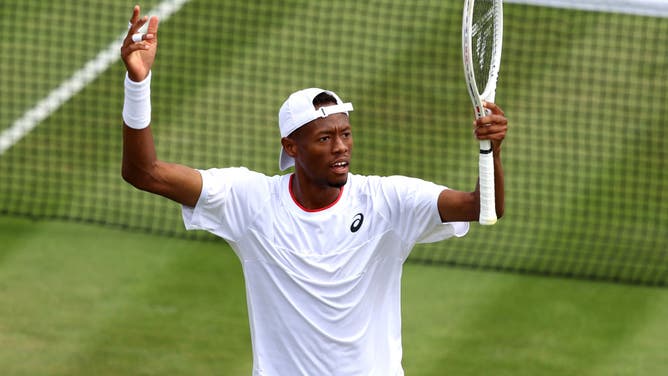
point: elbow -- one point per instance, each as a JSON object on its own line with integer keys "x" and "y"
{"x": 129, "y": 176}
{"x": 135, "y": 178}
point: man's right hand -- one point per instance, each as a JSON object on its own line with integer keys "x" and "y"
{"x": 138, "y": 56}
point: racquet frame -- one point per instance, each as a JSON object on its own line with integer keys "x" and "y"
{"x": 486, "y": 158}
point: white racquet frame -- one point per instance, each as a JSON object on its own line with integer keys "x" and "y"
{"x": 486, "y": 160}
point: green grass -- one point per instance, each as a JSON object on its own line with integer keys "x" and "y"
{"x": 77, "y": 299}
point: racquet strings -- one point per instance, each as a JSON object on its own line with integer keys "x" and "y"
{"x": 482, "y": 41}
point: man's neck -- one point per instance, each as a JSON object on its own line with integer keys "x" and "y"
{"x": 312, "y": 197}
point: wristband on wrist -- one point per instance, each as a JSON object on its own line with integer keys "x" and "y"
{"x": 137, "y": 104}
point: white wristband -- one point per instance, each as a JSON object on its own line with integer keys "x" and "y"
{"x": 137, "y": 104}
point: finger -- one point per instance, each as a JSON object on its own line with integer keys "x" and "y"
{"x": 135, "y": 31}
{"x": 127, "y": 50}
{"x": 138, "y": 24}
{"x": 133, "y": 18}
{"x": 484, "y": 121}
{"x": 491, "y": 133}
{"x": 491, "y": 123}
{"x": 493, "y": 107}
{"x": 153, "y": 26}
{"x": 491, "y": 119}
{"x": 139, "y": 37}
{"x": 135, "y": 25}
{"x": 135, "y": 14}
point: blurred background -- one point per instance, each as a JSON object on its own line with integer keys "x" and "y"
{"x": 584, "y": 88}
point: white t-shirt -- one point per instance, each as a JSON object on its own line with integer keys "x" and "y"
{"x": 323, "y": 287}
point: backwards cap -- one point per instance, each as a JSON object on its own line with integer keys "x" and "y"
{"x": 298, "y": 110}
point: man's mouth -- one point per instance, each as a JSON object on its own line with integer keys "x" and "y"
{"x": 339, "y": 166}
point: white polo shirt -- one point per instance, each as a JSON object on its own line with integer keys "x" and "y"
{"x": 323, "y": 287}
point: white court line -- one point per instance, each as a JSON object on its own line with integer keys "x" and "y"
{"x": 73, "y": 85}
{"x": 655, "y": 8}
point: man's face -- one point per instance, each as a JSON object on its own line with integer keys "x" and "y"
{"x": 323, "y": 149}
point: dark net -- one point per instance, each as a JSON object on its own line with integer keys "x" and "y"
{"x": 585, "y": 158}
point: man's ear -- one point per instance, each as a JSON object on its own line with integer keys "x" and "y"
{"x": 290, "y": 146}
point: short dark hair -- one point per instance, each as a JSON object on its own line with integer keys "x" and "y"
{"x": 323, "y": 99}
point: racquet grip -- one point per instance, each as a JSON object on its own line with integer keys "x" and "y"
{"x": 486, "y": 176}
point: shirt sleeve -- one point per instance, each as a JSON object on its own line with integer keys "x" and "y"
{"x": 229, "y": 201}
{"x": 415, "y": 211}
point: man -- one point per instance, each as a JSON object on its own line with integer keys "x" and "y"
{"x": 322, "y": 249}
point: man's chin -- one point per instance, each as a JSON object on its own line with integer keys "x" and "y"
{"x": 338, "y": 183}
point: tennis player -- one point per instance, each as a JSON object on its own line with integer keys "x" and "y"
{"x": 321, "y": 248}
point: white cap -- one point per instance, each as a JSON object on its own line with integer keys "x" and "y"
{"x": 299, "y": 110}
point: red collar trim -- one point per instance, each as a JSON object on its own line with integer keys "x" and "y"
{"x": 294, "y": 199}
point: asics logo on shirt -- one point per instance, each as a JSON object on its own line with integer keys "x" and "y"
{"x": 357, "y": 222}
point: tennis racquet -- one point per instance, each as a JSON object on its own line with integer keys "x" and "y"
{"x": 482, "y": 31}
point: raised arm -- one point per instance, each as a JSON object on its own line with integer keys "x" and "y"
{"x": 465, "y": 206}
{"x": 141, "y": 167}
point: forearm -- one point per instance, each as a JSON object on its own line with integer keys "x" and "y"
{"x": 139, "y": 155}
{"x": 140, "y": 166}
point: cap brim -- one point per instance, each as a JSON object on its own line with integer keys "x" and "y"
{"x": 285, "y": 161}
